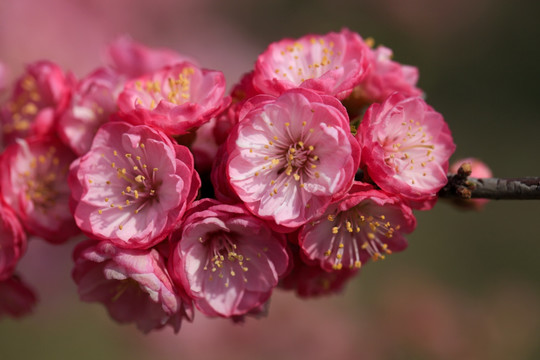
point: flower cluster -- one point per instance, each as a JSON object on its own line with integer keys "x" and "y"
{"x": 191, "y": 198}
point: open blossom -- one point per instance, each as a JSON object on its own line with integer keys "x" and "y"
{"x": 227, "y": 260}
{"x": 132, "y": 59}
{"x": 39, "y": 97}
{"x": 17, "y": 298}
{"x": 133, "y": 185}
{"x": 405, "y": 148}
{"x": 12, "y": 241}
{"x": 331, "y": 64}
{"x": 33, "y": 175}
{"x": 364, "y": 224}
{"x": 175, "y": 99}
{"x": 288, "y": 157}
{"x": 92, "y": 103}
{"x": 133, "y": 285}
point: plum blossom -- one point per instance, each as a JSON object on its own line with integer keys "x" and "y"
{"x": 39, "y": 98}
{"x": 289, "y": 156}
{"x": 131, "y": 59}
{"x": 133, "y": 285}
{"x": 383, "y": 78}
{"x": 308, "y": 279}
{"x": 364, "y": 224}
{"x": 228, "y": 260}
{"x": 12, "y": 241}
{"x": 33, "y": 176}
{"x": 332, "y": 64}
{"x": 92, "y": 104}
{"x": 175, "y": 99}
{"x": 406, "y": 146}
{"x": 18, "y": 298}
{"x": 133, "y": 185}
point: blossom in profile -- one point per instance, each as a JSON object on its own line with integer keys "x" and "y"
{"x": 33, "y": 176}
{"x": 289, "y": 156}
{"x": 92, "y": 104}
{"x": 39, "y": 97}
{"x": 133, "y": 185}
{"x": 384, "y": 77}
{"x": 133, "y": 285}
{"x": 175, "y": 99}
{"x": 479, "y": 170}
{"x": 18, "y": 299}
{"x": 308, "y": 279}
{"x": 406, "y": 146}
{"x": 132, "y": 59}
{"x": 228, "y": 260}
{"x": 12, "y": 241}
{"x": 331, "y": 64}
{"x": 364, "y": 224}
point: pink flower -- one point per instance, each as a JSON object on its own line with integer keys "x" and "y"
{"x": 227, "y": 260}
{"x": 132, "y": 59}
{"x": 364, "y": 224}
{"x": 479, "y": 170}
{"x": 34, "y": 184}
{"x": 332, "y": 64}
{"x": 405, "y": 148}
{"x": 17, "y": 299}
{"x": 12, "y": 241}
{"x": 383, "y": 78}
{"x": 93, "y": 102}
{"x": 175, "y": 99}
{"x": 133, "y": 185}
{"x": 310, "y": 280}
{"x": 288, "y": 157}
{"x": 39, "y": 97}
{"x": 133, "y": 285}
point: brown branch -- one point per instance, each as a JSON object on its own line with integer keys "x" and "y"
{"x": 461, "y": 186}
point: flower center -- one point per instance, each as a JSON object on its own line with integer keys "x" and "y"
{"x": 224, "y": 259}
{"x": 356, "y": 231}
{"x": 178, "y": 92}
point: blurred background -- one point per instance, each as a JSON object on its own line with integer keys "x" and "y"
{"x": 468, "y": 286}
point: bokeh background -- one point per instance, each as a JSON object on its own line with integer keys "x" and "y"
{"x": 468, "y": 287}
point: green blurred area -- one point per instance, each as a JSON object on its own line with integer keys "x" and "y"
{"x": 479, "y": 66}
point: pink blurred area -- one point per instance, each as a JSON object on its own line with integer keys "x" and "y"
{"x": 73, "y": 33}
{"x": 467, "y": 287}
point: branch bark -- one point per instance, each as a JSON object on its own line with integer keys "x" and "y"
{"x": 461, "y": 186}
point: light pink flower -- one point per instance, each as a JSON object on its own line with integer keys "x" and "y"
{"x": 227, "y": 260}
{"x": 364, "y": 224}
{"x": 39, "y": 97}
{"x": 308, "y": 279}
{"x": 92, "y": 103}
{"x": 33, "y": 177}
{"x": 133, "y": 185}
{"x": 133, "y": 59}
{"x": 175, "y": 99}
{"x": 332, "y": 64}
{"x": 17, "y": 298}
{"x": 289, "y": 156}
{"x": 12, "y": 241}
{"x": 479, "y": 170}
{"x": 133, "y": 285}
{"x": 405, "y": 148}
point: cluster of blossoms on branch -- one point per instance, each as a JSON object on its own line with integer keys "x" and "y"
{"x": 191, "y": 198}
